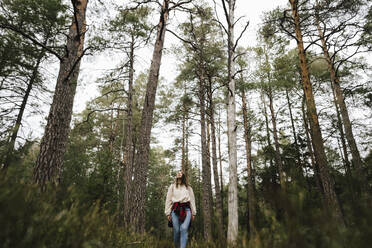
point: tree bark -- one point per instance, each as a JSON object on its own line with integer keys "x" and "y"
{"x": 53, "y": 144}
{"x": 267, "y": 128}
{"x": 292, "y": 120}
{"x": 183, "y": 162}
{"x": 294, "y": 133}
{"x": 142, "y": 154}
{"x": 214, "y": 162}
{"x": 278, "y": 159}
{"x": 232, "y": 227}
{"x": 205, "y": 175}
{"x": 340, "y": 99}
{"x": 185, "y": 134}
{"x": 219, "y": 151}
{"x": 208, "y": 168}
{"x": 220, "y": 161}
{"x": 250, "y": 185}
{"x": 187, "y": 145}
{"x": 316, "y": 135}
{"x": 113, "y": 132}
{"x": 344, "y": 153}
{"x": 311, "y": 151}
{"x": 128, "y": 151}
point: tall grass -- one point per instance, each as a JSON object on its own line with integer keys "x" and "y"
{"x": 58, "y": 219}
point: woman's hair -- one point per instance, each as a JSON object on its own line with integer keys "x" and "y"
{"x": 183, "y": 180}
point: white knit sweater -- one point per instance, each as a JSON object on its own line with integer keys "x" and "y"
{"x": 179, "y": 194}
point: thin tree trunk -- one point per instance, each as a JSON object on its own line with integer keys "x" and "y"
{"x": 53, "y": 144}
{"x": 185, "y": 135}
{"x": 219, "y": 151}
{"x": 294, "y": 132}
{"x": 232, "y": 227}
{"x": 220, "y": 160}
{"x": 267, "y": 127}
{"x": 129, "y": 151}
{"x": 357, "y": 161}
{"x": 316, "y": 135}
{"x": 142, "y": 154}
{"x": 292, "y": 120}
{"x": 311, "y": 152}
{"x": 112, "y": 134}
{"x": 214, "y": 162}
{"x": 183, "y": 162}
{"x": 248, "y": 148}
{"x": 343, "y": 152}
{"x": 278, "y": 159}
{"x": 209, "y": 169}
{"x": 184, "y": 123}
{"x": 205, "y": 168}
{"x": 118, "y": 165}
{"x": 187, "y": 146}
{"x": 342, "y": 135}
{"x": 13, "y": 137}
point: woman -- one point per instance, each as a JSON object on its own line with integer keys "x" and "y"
{"x": 180, "y": 208}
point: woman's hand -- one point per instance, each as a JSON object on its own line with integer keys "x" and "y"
{"x": 193, "y": 217}
{"x": 169, "y": 218}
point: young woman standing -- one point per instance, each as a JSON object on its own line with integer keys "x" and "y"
{"x": 180, "y": 208}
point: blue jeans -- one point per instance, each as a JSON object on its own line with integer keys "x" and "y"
{"x": 180, "y": 229}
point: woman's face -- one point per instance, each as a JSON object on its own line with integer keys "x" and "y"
{"x": 179, "y": 174}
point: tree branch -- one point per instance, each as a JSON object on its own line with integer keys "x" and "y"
{"x": 240, "y": 36}
{"x": 36, "y": 42}
{"x": 179, "y": 4}
{"x": 183, "y": 40}
{"x": 226, "y": 13}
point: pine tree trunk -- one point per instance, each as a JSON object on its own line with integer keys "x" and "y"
{"x": 13, "y": 137}
{"x": 357, "y": 161}
{"x": 232, "y": 227}
{"x": 219, "y": 150}
{"x": 220, "y": 160}
{"x": 267, "y": 129}
{"x": 128, "y": 151}
{"x": 316, "y": 135}
{"x": 184, "y": 164}
{"x": 344, "y": 153}
{"x": 214, "y": 162}
{"x": 112, "y": 134}
{"x": 250, "y": 185}
{"x": 206, "y": 185}
{"x": 311, "y": 151}
{"x": 278, "y": 159}
{"x": 294, "y": 131}
{"x": 53, "y": 144}
{"x": 208, "y": 169}
{"x": 142, "y": 154}
{"x": 292, "y": 121}
{"x": 187, "y": 145}
{"x": 183, "y": 159}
